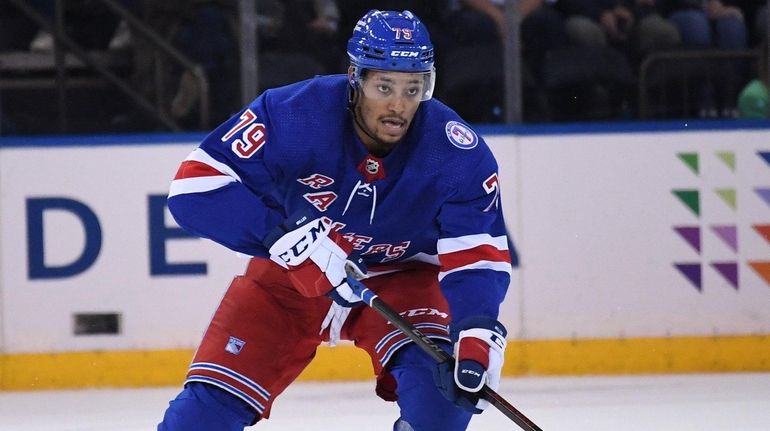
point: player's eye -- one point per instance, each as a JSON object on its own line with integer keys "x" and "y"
{"x": 384, "y": 89}
{"x": 413, "y": 91}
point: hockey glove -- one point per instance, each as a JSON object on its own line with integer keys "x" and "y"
{"x": 318, "y": 259}
{"x": 479, "y": 346}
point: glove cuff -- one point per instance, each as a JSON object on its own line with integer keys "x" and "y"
{"x": 474, "y": 347}
{"x": 482, "y": 322}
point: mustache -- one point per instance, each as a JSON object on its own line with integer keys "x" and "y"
{"x": 393, "y": 118}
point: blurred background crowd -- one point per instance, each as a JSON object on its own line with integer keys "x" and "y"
{"x": 99, "y": 66}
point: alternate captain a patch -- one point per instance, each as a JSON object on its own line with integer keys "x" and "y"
{"x": 460, "y": 135}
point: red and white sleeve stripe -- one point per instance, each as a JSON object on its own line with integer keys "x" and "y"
{"x": 199, "y": 172}
{"x": 480, "y": 251}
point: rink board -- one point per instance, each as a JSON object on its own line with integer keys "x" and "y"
{"x": 644, "y": 249}
{"x": 345, "y": 362}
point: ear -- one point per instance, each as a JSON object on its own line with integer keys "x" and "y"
{"x": 351, "y": 71}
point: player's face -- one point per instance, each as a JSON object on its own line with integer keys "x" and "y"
{"x": 387, "y": 106}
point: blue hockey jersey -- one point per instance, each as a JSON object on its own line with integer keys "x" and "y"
{"x": 435, "y": 199}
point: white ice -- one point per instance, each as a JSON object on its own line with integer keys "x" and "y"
{"x": 698, "y": 402}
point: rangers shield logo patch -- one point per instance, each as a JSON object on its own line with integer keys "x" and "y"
{"x": 234, "y": 345}
{"x": 460, "y": 135}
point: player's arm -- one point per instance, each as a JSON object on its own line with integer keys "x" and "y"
{"x": 473, "y": 248}
{"x": 475, "y": 273}
{"x": 222, "y": 190}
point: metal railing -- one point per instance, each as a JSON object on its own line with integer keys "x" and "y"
{"x": 64, "y": 44}
{"x": 690, "y": 67}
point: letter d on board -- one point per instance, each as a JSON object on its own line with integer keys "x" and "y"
{"x": 38, "y": 269}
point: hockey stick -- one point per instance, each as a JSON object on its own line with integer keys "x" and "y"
{"x": 436, "y": 352}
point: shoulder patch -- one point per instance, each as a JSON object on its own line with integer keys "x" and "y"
{"x": 460, "y": 135}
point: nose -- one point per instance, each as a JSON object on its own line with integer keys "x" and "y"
{"x": 397, "y": 104}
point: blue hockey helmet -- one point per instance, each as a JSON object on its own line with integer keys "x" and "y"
{"x": 392, "y": 41}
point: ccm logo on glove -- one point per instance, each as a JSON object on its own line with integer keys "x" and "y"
{"x": 318, "y": 259}
{"x": 305, "y": 240}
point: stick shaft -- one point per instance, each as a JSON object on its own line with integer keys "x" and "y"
{"x": 437, "y": 353}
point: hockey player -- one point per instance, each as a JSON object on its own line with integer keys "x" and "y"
{"x": 363, "y": 174}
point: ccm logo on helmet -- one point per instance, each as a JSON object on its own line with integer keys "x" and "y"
{"x": 407, "y": 54}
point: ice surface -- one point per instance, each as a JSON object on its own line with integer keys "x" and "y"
{"x": 724, "y": 402}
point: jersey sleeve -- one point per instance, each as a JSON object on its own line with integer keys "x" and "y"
{"x": 225, "y": 189}
{"x": 473, "y": 246}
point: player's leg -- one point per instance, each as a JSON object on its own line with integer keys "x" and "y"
{"x": 423, "y": 408}
{"x": 204, "y": 407}
{"x": 260, "y": 339}
{"x": 416, "y": 295}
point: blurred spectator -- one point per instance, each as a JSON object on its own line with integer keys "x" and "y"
{"x": 16, "y": 29}
{"x": 205, "y": 35}
{"x": 754, "y": 101}
{"x": 694, "y": 21}
{"x": 760, "y": 23}
{"x": 634, "y": 27}
{"x": 88, "y": 23}
{"x": 297, "y": 40}
{"x": 713, "y": 24}
{"x": 203, "y": 31}
{"x": 483, "y": 22}
{"x": 754, "y": 16}
{"x": 473, "y": 65}
{"x": 653, "y": 32}
{"x": 608, "y": 41}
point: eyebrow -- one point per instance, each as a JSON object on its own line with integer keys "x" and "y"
{"x": 391, "y": 80}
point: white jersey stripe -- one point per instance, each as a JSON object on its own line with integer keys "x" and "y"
{"x": 198, "y": 184}
{"x": 199, "y": 155}
{"x": 451, "y": 245}
{"x": 232, "y": 374}
{"x": 397, "y": 332}
{"x": 229, "y": 388}
{"x": 483, "y": 264}
{"x": 395, "y": 347}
